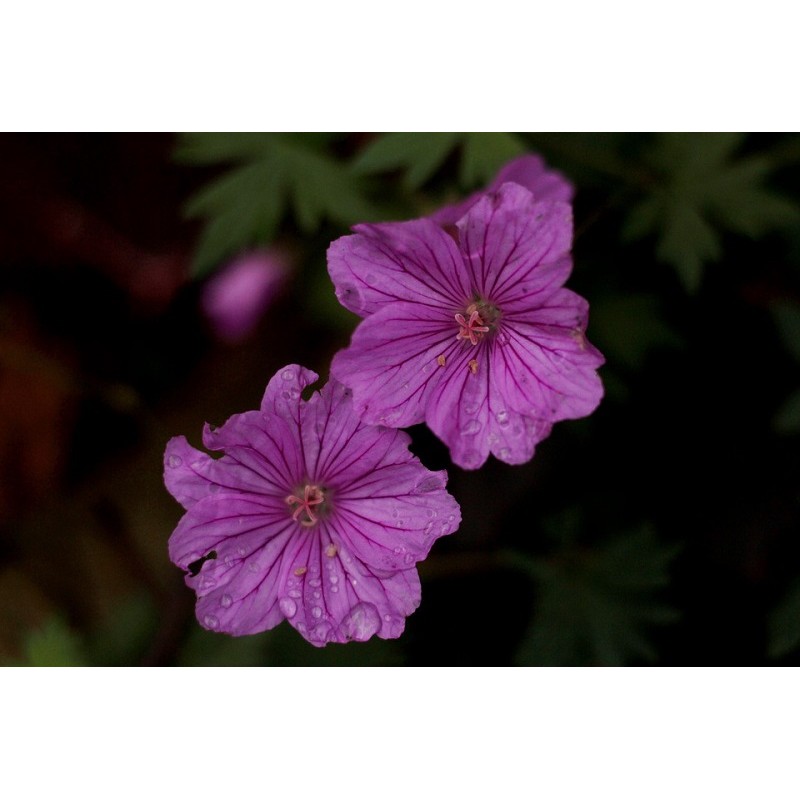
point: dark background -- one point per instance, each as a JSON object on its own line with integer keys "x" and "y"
{"x": 663, "y": 529}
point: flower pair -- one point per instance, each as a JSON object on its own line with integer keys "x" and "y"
{"x": 317, "y": 513}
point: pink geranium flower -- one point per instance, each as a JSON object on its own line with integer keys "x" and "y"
{"x": 310, "y": 515}
{"x": 472, "y": 331}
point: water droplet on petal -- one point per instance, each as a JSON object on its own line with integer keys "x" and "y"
{"x": 504, "y": 452}
{"x": 253, "y": 567}
{"x": 316, "y": 612}
{"x": 334, "y": 579}
{"x": 225, "y": 601}
{"x": 471, "y": 428}
{"x": 288, "y": 607}
{"x": 240, "y": 551}
{"x": 334, "y": 589}
{"x": 370, "y": 279}
{"x": 211, "y": 622}
{"x": 502, "y": 418}
{"x": 288, "y": 374}
{"x": 296, "y": 593}
{"x": 409, "y": 558}
{"x": 315, "y": 582}
{"x": 399, "y": 550}
{"x": 362, "y": 622}
{"x": 431, "y": 512}
{"x": 174, "y": 461}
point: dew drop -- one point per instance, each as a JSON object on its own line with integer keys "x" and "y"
{"x": 288, "y": 374}
{"x": 316, "y": 612}
{"x": 207, "y": 582}
{"x": 252, "y": 566}
{"x": 395, "y": 513}
{"x": 362, "y": 622}
{"x": 409, "y": 558}
{"x": 296, "y": 593}
{"x": 334, "y": 579}
{"x": 502, "y": 418}
{"x": 316, "y": 595}
{"x": 399, "y": 551}
{"x": 174, "y": 461}
{"x": 225, "y": 601}
{"x": 211, "y": 622}
{"x": 315, "y": 582}
{"x": 370, "y": 279}
{"x": 334, "y": 589}
{"x": 241, "y": 551}
{"x": 504, "y": 452}
{"x": 471, "y": 428}
{"x": 288, "y": 607}
{"x": 431, "y": 512}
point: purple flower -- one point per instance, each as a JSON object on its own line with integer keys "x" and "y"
{"x": 237, "y": 296}
{"x": 310, "y": 515}
{"x": 471, "y": 333}
{"x": 529, "y": 171}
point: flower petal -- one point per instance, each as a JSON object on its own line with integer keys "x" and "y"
{"x": 264, "y": 444}
{"x": 529, "y": 171}
{"x": 547, "y": 368}
{"x": 244, "y": 540}
{"x": 393, "y": 362}
{"x": 331, "y": 596}
{"x": 508, "y": 236}
{"x": 381, "y": 264}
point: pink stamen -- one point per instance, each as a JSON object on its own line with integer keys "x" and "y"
{"x": 470, "y": 330}
{"x": 312, "y": 496}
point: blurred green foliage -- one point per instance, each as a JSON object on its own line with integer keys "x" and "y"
{"x": 269, "y": 175}
{"x": 594, "y": 605}
{"x": 699, "y": 188}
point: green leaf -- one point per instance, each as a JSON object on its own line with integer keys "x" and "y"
{"x": 783, "y": 624}
{"x": 54, "y": 645}
{"x": 420, "y": 155}
{"x": 271, "y": 174}
{"x": 698, "y": 188}
{"x": 484, "y": 154}
{"x": 595, "y": 606}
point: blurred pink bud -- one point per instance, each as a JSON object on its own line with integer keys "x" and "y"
{"x": 238, "y": 295}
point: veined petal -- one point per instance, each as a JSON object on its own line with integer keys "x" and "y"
{"x": 266, "y": 445}
{"x": 331, "y": 596}
{"x": 394, "y": 362}
{"x": 458, "y": 408}
{"x": 380, "y": 264}
{"x": 508, "y": 236}
{"x": 547, "y": 368}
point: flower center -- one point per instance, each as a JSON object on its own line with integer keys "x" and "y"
{"x": 306, "y": 509}
{"x": 479, "y": 318}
